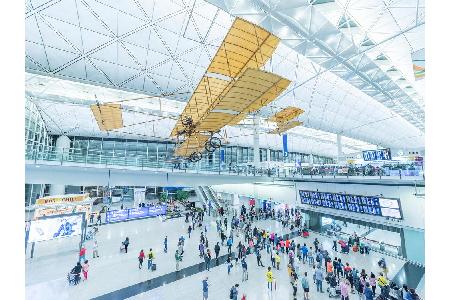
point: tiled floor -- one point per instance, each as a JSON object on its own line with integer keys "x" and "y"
{"x": 46, "y": 272}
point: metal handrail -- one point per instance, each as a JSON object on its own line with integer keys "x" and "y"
{"x": 99, "y": 157}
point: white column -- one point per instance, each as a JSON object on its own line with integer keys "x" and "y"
{"x": 256, "y": 158}
{"x": 268, "y": 157}
{"x": 62, "y": 151}
{"x": 311, "y": 160}
{"x": 339, "y": 148}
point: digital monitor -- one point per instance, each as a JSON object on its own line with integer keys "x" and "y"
{"x": 371, "y": 205}
{"x": 379, "y": 154}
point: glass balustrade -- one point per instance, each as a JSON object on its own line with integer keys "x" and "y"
{"x": 109, "y": 160}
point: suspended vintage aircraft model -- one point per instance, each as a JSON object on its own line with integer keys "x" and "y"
{"x": 232, "y": 87}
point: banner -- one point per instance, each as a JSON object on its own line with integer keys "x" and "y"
{"x": 52, "y": 228}
{"x": 135, "y": 213}
{"x": 222, "y": 155}
{"x": 285, "y": 146}
{"x": 62, "y": 199}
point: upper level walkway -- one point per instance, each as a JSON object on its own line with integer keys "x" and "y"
{"x": 63, "y": 167}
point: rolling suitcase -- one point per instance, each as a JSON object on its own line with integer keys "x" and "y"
{"x": 154, "y": 267}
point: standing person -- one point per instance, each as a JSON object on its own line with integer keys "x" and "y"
{"x": 277, "y": 260}
{"x": 141, "y": 258}
{"x": 234, "y": 292}
{"x": 217, "y": 250}
{"x": 95, "y": 249}
{"x": 150, "y": 259}
{"x": 177, "y": 260}
{"x": 189, "y": 231}
{"x": 201, "y": 249}
{"x": 344, "y": 286}
{"x": 99, "y": 219}
{"x": 91, "y": 218}
{"x": 82, "y": 253}
{"x": 126, "y": 243}
{"x": 229, "y": 244}
{"x": 85, "y": 269}
{"x": 258, "y": 259}
{"x": 269, "y": 278}
{"x": 165, "y": 244}
{"x": 207, "y": 258}
{"x": 368, "y": 293}
{"x": 305, "y": 286}
{"x": 205, "y": 287}
{"x": 319, "y": 278}
{"x": 304, "y": 253}
{"x": 244, "y": 270}
{"x": 373, "y": 282}
{"x": 229, "y": 265}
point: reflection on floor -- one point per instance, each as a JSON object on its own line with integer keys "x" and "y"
{"x": 113, "y": 271}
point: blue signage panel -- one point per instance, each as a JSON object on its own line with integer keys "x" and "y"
{"x": 140, "y": 212}
{"x": 370, "y": 205}
{"x": 285, "y": 145}
{"x": 135, "y": 213}
{"x": 379, "y": 154}
{"x": 116, "y": 215}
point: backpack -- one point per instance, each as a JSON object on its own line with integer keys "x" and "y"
{"x": 317, "y": 258}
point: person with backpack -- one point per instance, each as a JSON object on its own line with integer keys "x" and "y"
{"x": 126, "y": 243}
{"x": 305, "y": 286}
{"x": 304, "y": 253}
{"x": 269, "y": 278}
{"x": 368, "y": 293}
{"x": 150, "y": 257}
{"x": 141, "y": 258}
{"x": 205, "y": 287}
{"x": 234, "y": 292}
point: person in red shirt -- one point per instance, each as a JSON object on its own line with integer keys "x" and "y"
{"x": 288, "y": 243}
{"x": 82, "y": 254}
{"x": 141, "y": 258}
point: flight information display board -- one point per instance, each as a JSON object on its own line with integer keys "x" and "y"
{"x": 379, "y": 154}
{"x": 371, "y": 205}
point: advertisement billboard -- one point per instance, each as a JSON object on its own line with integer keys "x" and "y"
{"x": 53, "y": 228}
{"x": 135, "y": 213}
{"x": 379, "y": 154}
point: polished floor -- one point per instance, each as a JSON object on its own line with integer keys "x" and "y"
{"x": 115, "y": 275}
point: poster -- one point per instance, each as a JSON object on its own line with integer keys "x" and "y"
{"x": 53, "y": 228}
{"x": 70, "y": 198}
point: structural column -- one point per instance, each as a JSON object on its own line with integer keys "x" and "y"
{"x": 339, "y": 148}
{"x": 311, "y": 160}
{"x": 256, "y": 157}
{"x": 62, "y": 151}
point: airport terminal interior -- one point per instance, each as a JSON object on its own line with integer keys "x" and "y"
{"x": 224, "y": 149}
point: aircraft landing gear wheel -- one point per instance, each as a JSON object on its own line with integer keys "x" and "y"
{"x": 209, "y": 149}
{"x": 195, "y": 157}
{"x": 214, "y": 142}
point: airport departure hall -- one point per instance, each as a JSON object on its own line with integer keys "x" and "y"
{"x": 224, "y": 149}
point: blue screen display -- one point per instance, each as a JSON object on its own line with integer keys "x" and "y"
{"x": 379, "y": 154}
{"x": 135, "y": 213}
{"x": 355, "y": 203}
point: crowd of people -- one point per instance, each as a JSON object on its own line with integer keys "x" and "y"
{"x": 306, "y": 262}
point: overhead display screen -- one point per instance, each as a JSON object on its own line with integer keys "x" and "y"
{"x": 53, "y": 228}
{"x": 379, "y": 154}
{"x": 371, "y": 205}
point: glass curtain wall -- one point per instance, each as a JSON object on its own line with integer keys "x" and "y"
{"x": 36, "y": 135}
